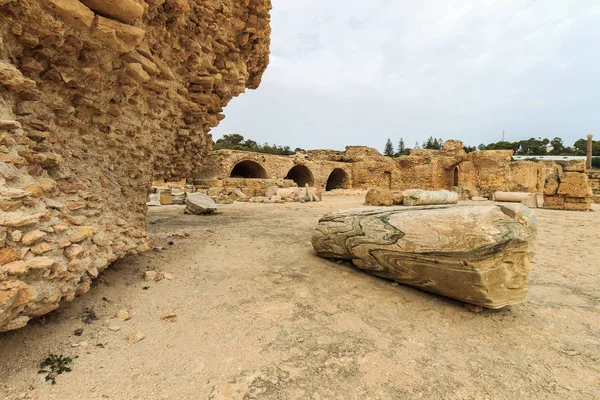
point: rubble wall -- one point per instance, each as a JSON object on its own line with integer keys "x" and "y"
{"x": 97, "y": 99}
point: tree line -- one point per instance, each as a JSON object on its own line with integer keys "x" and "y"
{"x": 402, "y": 150}
{"x": 528, "y": 147}
{"x": 238, "y": 142}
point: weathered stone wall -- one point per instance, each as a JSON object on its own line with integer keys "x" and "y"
{"x": 480, "y": 172}
{"x": 569, "y": 190}
{"x": 221, "y": 163}
{"x": 97, "y": 98}
{"x": 594, "y": 178}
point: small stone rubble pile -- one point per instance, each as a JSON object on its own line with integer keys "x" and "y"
{"x": 174, "y": 194}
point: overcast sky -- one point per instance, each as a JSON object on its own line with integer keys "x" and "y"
{"x": 355, "y": 72}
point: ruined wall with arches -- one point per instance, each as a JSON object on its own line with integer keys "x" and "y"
{"x": 301, "y": 168}
{"x": 359, "y": 167}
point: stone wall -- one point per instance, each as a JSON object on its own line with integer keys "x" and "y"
{"x": 569, "y": 190}
{"x": 311, "y": 167}
{"x": 97, "y": 99}
{"x": 480, "y": 172}
{"x": 594, "y": 178}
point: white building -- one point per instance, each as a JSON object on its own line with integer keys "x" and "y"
{"x": 552, "y": 158}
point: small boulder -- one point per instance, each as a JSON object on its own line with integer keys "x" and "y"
{"x": 383, "y": 197}
{"x": 224, "y": 199}
{"x": 199, "y": 204}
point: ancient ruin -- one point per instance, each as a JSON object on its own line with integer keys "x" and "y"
{"x": 97, "y": 99}
{"x": 359, "y": 167}
{"x": 478, "y": 254}
{"x": 569, "y": 190}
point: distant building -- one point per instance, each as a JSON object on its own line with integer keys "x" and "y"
{"x": 551, "y": 158}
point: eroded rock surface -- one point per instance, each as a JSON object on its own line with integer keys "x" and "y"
{"x": 97, "y": 99}
{"x": 477, "y": 254}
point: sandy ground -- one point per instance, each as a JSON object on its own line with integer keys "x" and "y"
{"x": 258, "y": 316}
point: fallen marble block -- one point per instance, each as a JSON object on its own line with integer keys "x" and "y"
{"x": 478, "y": 254}
{"x": 197, "y": 203}
{"x": 418, "y": 197}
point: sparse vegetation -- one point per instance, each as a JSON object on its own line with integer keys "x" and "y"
{"x": 89, "y": 316}
{"x": 55, "y": 365}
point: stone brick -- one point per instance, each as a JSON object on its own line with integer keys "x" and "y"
{"x": 554, "y": 203}
{"x": 116, "y": 34}
{"x": 577, "y": 206}
{"x": 575, "y": 166}
{"x": 574, "y": 184}
{"x": 72, "y": 12}
{"x": 122, "y": 10}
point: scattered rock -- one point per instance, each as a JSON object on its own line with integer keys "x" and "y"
{"x": 135, "y": 337}
{"x": 473, "y": 308}
{"x": 149, "y": 275}
{"x": 168, "y": 316}
{"x": 123, "y": 315}
{"x": 199, "y": 204}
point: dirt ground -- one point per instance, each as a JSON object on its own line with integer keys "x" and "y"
{"x": 259, "y": 316}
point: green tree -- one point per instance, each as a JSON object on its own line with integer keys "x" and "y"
{"x": 533, "y": 147}
{"x": 237, "y": 142}
{"x": 401, "y": 146}
{"x": 389, "y": 149}
{"x": 233, "y": 139}
{"x": 501, "y": 145}
{"x": 557, "y": 146}
{"x": 433, "y": 144}
{"x": 581, "y": 147}
{"x": 402, "y": 150}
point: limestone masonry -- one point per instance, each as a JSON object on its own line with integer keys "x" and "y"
{"x": 97, "y": 99}
{"x": 477, "y": 173}
{"x": 569, "y": 190}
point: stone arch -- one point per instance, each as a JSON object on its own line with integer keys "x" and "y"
{"x": 338, "y": 179}
{"x": 248, "y": 169}
{"x": 301, "y": 174}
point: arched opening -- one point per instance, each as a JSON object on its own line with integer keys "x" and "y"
{"x": 301, "y": 175}
{"x": 248, "y": 169}
{"x": 338, "y": 179}
{"x": 455, "y": 176}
